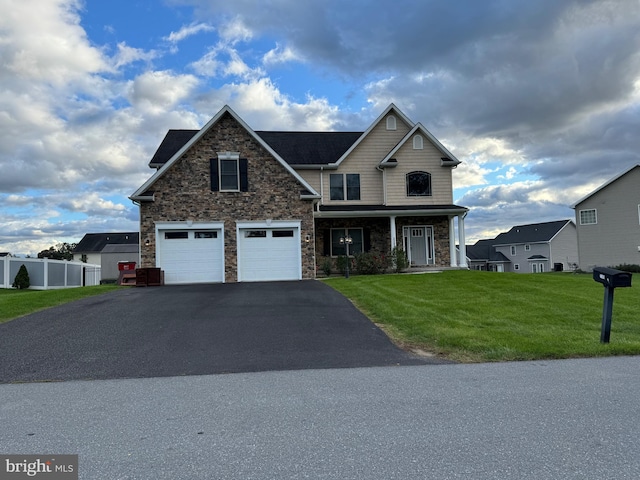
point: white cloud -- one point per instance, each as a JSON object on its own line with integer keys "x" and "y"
{"x": 280, "y": 55}
{"x": 127, "y": 55}
{"x": 188, "y": 31}
{"x": 158, "y": 91}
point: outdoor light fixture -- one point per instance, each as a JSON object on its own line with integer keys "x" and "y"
{"x": 307, "y": 238}
{"x": 147, "y": 242}
{"x": 346, "y": 241}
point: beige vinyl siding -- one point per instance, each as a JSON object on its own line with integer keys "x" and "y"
{"x": 615, "y": 238}
{"x": 364, "y": 159}
{"x": 425, "y": 160}
{"x": 312, "y": 177}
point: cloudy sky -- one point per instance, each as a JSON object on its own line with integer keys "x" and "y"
{"x": 539, "y": 99}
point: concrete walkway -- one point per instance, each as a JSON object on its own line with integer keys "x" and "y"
{"x": 569, "y": 419}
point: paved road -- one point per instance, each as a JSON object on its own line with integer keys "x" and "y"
{"x": 192, "y": 330}
{"x": 569, "y": 419}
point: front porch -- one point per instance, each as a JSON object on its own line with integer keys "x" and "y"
{"x": 425, "y": 239}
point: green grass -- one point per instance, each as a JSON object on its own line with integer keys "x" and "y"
{"x": 16, "y": 303}
{"x": 472, "y": 316}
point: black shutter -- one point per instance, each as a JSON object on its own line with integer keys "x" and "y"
{"x": 366, "y": 233}
{"x": 244, "y": 178}
{"x": 215, "y": 182}
{"x": 327, "y": 242}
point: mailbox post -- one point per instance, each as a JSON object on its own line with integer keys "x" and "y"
{"x": 610, "y": 278}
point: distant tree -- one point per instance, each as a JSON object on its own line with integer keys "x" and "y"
{"x": 22, "y": 278}
{"x": 62, "y": 251}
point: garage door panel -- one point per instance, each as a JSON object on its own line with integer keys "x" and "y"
{"x": 191, "y": 256}
{"x": 269, "y": 254}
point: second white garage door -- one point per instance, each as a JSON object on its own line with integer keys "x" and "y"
{"x": 269, "y": 252}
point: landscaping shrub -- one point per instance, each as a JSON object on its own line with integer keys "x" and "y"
{"x": 327, "y": 267}
{"x": 341, "y": 263}
{"x": 370, "y": 263}
{"x": 22, "y": 278}
{"x": 399, "y": 260}
{"x": 632, "y": 268}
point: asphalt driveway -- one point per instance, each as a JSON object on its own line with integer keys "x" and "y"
{"x": 195, "y": 330}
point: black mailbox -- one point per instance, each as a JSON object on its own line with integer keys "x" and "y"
{"x": 610, "y": 277}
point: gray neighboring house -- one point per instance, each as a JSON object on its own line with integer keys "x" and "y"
{"x": 533, "y": 248}
{"x": 608, "y": 222}
{"x": 107, "y": 249}
{"x": 483, "y": 256}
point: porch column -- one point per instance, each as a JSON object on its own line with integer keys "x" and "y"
{"x": 392, "y": 226}
{"x": 462, "y": 241}
{"x": 452, "y": 241}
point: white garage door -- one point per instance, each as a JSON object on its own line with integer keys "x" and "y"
{"x": 191, "y": 256}
{"x": 266, "y": 254}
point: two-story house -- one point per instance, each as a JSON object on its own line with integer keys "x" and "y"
{"x": 531, "y": 248}
{"x": 608, "y": 221}
{"x": 228, "y": 203}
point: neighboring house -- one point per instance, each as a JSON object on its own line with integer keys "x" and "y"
{"x": 534, "y": 248}
{"x": 483, "y": 256}
{"x": 107, "y": 249}
{"x": 228, "y": 203}
{"x": 608, "y": 221}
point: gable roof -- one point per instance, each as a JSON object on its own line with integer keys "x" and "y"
{"x": 310, "y": 148}
{"x": 173, "y": 141}
{"x": 605, "y": 184}
{"x": 449, "y": 159}
{"x": 484, "y": 250}
{"x": 95, "y": 242}
{"x": 533, "y": 233}
{"x": 139, "y": 193}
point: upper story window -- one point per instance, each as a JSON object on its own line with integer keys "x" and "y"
{"x": 514, "y": 250}
{"x": 391, "y": 122}
{"x": 344, "y": 186}
{"x": 418, "y": 142}
{"x": 418, "y": 184}
{"x": 588, "y": 217}
{"x": 229, "y": 173}
{"x": 527, "y": 247}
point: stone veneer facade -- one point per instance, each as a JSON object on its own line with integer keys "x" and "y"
{"x": 184, "y": 193}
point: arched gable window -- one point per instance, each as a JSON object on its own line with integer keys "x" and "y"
{"x": 391, "y": 122}
{"x": 418, "y": 142}
{"x": 418, "y": 184}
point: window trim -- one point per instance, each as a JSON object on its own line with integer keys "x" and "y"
{"x": 237, "y": 174}
{"x": 418, "y": 142}
{"x": 346, "y": 192}
{"x": 527, "y": 247}
{"x": 516, "y": 267}
{"x": 347, "y": 230}
{"x": 513, "y": 250}
{"x": 391, "y": 123}
{"x": 595, "y": 216}
{"x": 429, "y": 185}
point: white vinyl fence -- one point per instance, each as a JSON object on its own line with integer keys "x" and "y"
{"x": 46, "y": 274}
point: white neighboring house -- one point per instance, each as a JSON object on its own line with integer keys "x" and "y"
{"x": 107, "y": 249}
{"x": 608, "y": 222}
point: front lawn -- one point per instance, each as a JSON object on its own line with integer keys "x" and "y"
{"x": 473, "y": 316}
{"x": 15, "y": 303}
